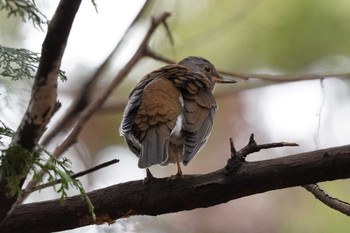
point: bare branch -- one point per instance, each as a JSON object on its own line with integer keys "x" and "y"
{"x": 329, "y": 201}
{"x": 138, "y": 198}
{"x": 284, "y": 77}
{"x": 253, "y": 147}
{"x": 159, "y": 57}
{"x": 264, "y": 77}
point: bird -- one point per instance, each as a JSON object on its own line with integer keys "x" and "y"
{"x": 170, "y": 112}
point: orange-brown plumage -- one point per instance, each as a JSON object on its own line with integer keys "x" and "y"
{"x": 170, "y": 112}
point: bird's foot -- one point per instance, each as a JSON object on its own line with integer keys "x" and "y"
{"x": 178, "y": 175}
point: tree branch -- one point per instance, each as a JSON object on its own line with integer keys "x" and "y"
{"x": 43, "y": 103}
{"x": 253, "y": 147}
{"x": 263, "y": 77}
{"x": 284, "y": 77}
{"x": 331, "y": 202}
{"x": 160, "y": 196}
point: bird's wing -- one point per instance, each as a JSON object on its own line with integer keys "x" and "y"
{"x": 131, "y": 108}
{"x": 130, "y": 111}
{"x": 199, "y": 111}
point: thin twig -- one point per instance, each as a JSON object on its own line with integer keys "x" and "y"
{"x": 319, "y": 114}
{"x": 159, "y": 57}
{"x": 329, "y": 201}
{"x": 284, "y": 77}
{"x": 253, "y": 147}
{"x": 76, "y": 175}
{"x": 237, "y": 158}
{"x": 233, "y": 149}
{"x": 264, "y": 77}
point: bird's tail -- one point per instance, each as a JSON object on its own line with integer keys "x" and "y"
{"x": 155, "y": 144}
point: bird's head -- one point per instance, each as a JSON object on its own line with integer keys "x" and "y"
{"x": 202, "y": 65}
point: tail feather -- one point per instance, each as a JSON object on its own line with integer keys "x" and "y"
{"x": 154, "y": 148}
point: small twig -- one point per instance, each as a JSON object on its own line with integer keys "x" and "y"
{"x": 76, "y": 175}
{"x": 159, "y": 57}
{"x": 253, "y": 147}
{"x": 267, "y": 77}
{"x": 233, "y": 149}
{"x": 329, "y": 201}
{"x": 283, "y": 77}
{"x": 319, "y": 114}
{"x": 238, "y": 157}
{"x": 169, "y": 34}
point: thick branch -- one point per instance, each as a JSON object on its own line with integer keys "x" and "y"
{"x": 43, "y": 100}
{"x": 160, "y": 196}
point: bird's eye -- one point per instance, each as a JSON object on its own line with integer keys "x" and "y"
{"x": 207, "y": 69}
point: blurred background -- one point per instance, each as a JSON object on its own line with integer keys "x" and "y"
{"x": 291, "y": 37}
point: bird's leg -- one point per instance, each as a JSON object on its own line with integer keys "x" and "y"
{"x": 174, "y": 152}
{"x": 179, "y": 171}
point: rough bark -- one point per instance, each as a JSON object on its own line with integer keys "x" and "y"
{"x": 160, "y": 196}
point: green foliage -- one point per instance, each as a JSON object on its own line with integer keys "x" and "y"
{"x": 20, "y": 63}
{"x": 59, "y": 170}
{"x": 25, "y": 9}
{"x": 5, "y": 131}
{"x": 16, "y": 163}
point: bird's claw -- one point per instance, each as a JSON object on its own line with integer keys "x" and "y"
{"x": 178, "y": 175}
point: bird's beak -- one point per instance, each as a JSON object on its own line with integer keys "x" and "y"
{"x": 220, "y": 79}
